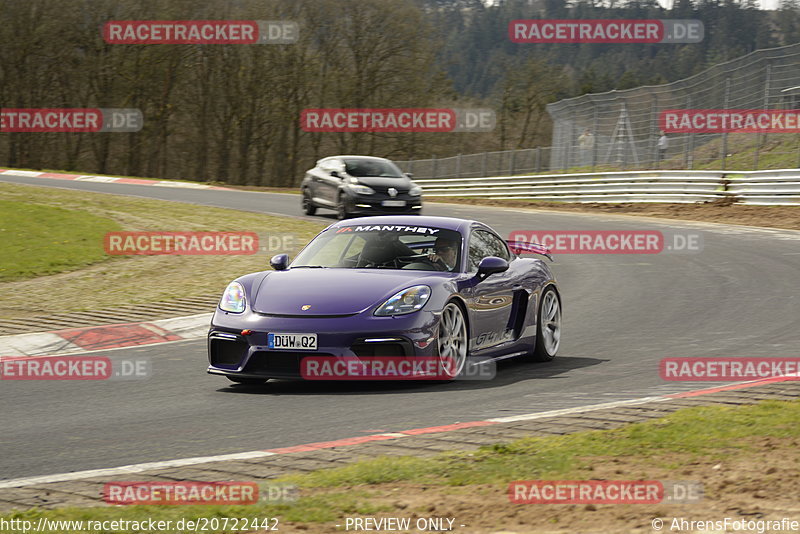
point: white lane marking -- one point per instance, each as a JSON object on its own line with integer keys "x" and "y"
{"x": 189, "y": 327}
{"x": 92, "y": 178}
{"x": 129, "y": 469}
{"x": 22, "y": 173}
{"x": 579, "y": 409}
{"x": 38, "y": 344}
{"x": 138, "y": 468}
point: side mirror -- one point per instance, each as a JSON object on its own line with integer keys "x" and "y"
{"x": 335, "y": 174}
{"x": 491, "y": 265}
{"x": 409, "y": 174}
{"x": 279, "y": 262}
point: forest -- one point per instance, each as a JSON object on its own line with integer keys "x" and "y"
{"x": 231, "y": 113}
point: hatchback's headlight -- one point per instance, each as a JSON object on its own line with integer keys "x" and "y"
{"x": 362, "y": 189}
{"x": 415, "y": 191}
{"x": 233, "y": 298}
{"x": 405, "y": 301}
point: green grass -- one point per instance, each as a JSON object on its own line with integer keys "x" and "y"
{"x": 694, "y": 432}
{"x": 125, "y": 279}
{"x": 705, "y": 433}
{"x": 36, "y": 240}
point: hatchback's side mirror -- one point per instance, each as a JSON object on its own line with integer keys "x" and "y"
{"x": 409, "y": 174}
{"x": 491, "y": 265}
{"x": 279, "y": 262}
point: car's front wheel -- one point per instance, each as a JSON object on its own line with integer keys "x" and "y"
{"x": 548, "y": 327}
{"x": 452, "y": 342}
{"x": 341, "y": 209}
{"x": 308, "y": 207}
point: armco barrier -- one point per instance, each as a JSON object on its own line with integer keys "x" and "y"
{"x": 777, "y": 187}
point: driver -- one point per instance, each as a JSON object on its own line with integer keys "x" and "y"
{"x": 445, "y": 253}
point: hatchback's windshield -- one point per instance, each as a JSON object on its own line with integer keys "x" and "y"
{"x": 383, "y": 247}
{"x": 359, "y": 167}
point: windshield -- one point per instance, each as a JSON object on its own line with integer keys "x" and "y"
{"x": 359, "y": 167}
{"x": 383, "y": 247}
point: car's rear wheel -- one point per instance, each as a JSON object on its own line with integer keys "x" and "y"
{"x": 247, "y": 381}
{"x": 341, "y": 209}
{"x": 452, "y": 340}
{"x": 308, "y": 207}
{"x": 548, "y": 327}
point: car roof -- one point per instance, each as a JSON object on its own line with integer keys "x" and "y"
{"x": 357, "y": 157}
{"x": 445, "y": 223}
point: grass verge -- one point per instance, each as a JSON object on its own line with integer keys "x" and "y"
{"x": 657, "y": 449}
{"x": 38, "y": 240}
{"x": 119, "y": 280}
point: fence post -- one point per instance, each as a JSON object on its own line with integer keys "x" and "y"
{"x": 594, "y": 136}
{"x": 538, "y": 159}
{"x": 513, "y": 162}
{"x": 654, "y": 131}
{"x": 766, "y": 107}
{"x": 484, "y": 164}
{"x": 458, "y": 166}
{"x": 724, "y": 155}
{"x": 688, "y": 146}
{"x": 433, "y": 172}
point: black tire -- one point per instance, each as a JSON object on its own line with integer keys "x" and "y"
{"x": 247, "y": 381}
{"x": 548, "y": 326}
{"x": 341, "y": 209}
{"x": 308, "y": 207}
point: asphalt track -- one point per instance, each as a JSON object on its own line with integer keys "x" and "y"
{"x": 622, "y": 314}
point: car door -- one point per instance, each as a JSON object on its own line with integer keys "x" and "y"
{"x": 491, "y": 300}
{"x": 331, "y": 179}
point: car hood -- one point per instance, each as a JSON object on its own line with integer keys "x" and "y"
{"x": 331, "y": 291}
{"x": 383, "y": 182}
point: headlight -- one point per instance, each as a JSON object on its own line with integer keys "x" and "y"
{"x": 362, "y": 189}
{"x": 405, "y": 301}
{"x": 233, "y": 298}
{"x": 415, "y": 191}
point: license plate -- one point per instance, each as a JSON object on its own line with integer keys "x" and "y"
{"x": 292, "y": 341}
{"x": 393, "y": 203}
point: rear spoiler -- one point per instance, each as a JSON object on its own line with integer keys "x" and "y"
{"x": 522, "y": 247}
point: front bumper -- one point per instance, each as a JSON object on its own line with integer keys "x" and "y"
{"x": 361, "y": 335}
{"x": 373, "y": 204}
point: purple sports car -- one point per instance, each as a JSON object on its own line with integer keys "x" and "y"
{"x": 389, "y": 286}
